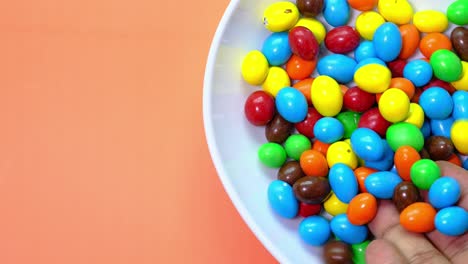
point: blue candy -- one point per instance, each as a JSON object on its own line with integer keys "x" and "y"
{"x": 460, "y": 105}
{"x": 276, "y": 48}
{"x": 387, "y": 41}
{"x": 367, "y": 144}
{"x": 338, "y": 66}
{"x": 365, "y": 50}
{"x": 442, "y": 127}
{"x": 291, "y": 104}
{"x": 314, "y": 230}
{"x": 386, "y": 162}
{"x": 367, "y": 61}
{"x": 347, "y": 232}
{"x": 444, "y": 192}
{"x": 328, "y": 130}
{"x": 382, "y": 184}
{"x": 436, "y": 103}
{"x": 426, "y": 129}
{"x": 282, "y": 199}
{"x": 343, "y": 182}
{"x": 419, "y": 72}
{"x": 336, "y": 12}
{"x": 452, "y": 221}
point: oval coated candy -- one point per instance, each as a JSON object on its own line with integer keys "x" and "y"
{"x": 374, "y": 120}
{"x": 387, "y": 41}
{"x": 405, "y": 157}
{"x": 405, "y": 134}
{"x": 280, "y": 16}
{"x": 337, "y": 252}
{"x": 373, "y": 78}
{"x": 444, "y": 192}
{"x": 460, "y": 105}
{"x": 424, "y": 173}
{"x": 362, "y": 209}
{"x": 310, "y": 8}
{"x": 276, "y": 80}
{"x": 303, "y": 43}
{"x": 278, "y": 130}
{"x": 341, "y": 152}
{"x": 326, "y": 96}
{"x": 446, "y": 65}
{"x": 452, "y": 221}
{"x": 368, "y": 61}
{"x": 343, "y": 182}
{"x": 462, "y": 83}
{"x": 419, "y": 72}
{"x": 336, "y": 12}
{"x": 399, "y": 12}
{"x": 295, "y": 145}
{"x": 328, "y": 130}
{"x": 314, "y": 230}
{"x": 367, "y": 23}
{"x": 382, "y": 184}
{"x": 365, "y": 50}
{"x": 386, "y": 162}
{"x": 290, "y": 172}
{"x": 439, "y": 148}
{"x": 315, "y": 26}
{"x": 457, "y": 12}
{"x": 291, "y": 104}
{"x": 337, "y": 66}
{"x": 342, "y": 40}
{"x": 436, "y": 103}
{"x": 254, "y": 68}
{"x": 459, "y": 138}
{"x": 405, "y": 194}
{"x": 282, "y": 200}
{"x": 272, "y": 155}
{"x": 276, "y": 48}
{"x": 350, "y": 121}
{"x": 394, "y": 105}
{"x": 312, "y": 189}
{"x": 334, "y": 206}
{"x": 442, "y": 127}
{"x": 459, "y": 38}
{"x": 355, "y": 99}
{"x": 418, "y": 217}
{"x": 347, "y": 232}
{"x": 367, "y": 144}
{"x": 429, "y": 21}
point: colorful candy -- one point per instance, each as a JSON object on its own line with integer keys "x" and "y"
{"x": 280, "y": 16}
{"x": 259, "y": 108}
{"x": 459, "y": 38}
{"x": 430, "y": 21}
{"x": 326, "y": 96}
{"x": 295, "y": 145}
{"x": 418, "y": 217}
{"x": 373, "y": 78}
{"x": 328, "y": 130}
{"x": 343, "y": 182}
{"x": 312, "y": 189}
{"x": 446, "y": 65}
{"x": 336, "y": 12}
{"x": 444, "y": 192}
{"x": 291, "y": 104}
{"x": 367, "y": 23}
{"x": 342, "y": 40}
{"x": 255, "y": 68}
{"x": 457, "y": 12}
{"x": 388, "y": 41}
{"x": 399, "y": 12}
{"x": 310, "y": 8}
{"x": 278, "y": 130}
{"x": 382, "y": 184}
{"x": 405, "y": 194}
{"x": 452, "y": 221}
{"x": 282, "y": 200}
{"x": 347, "y": 232}
{"x": 272, "y": 155}
{"x": 338, "y": 66}
{"x": 424, "y": 173}
{"x": 362, "y": 209}
{"x": 314, "y": 230}
{"x": 337, "y": 252}
{"x": 314, "y": 163}
{"x": 394, "y": 105}
{"x": 405, "y": 134}
{"x": 333, "y": 206}
{"x": 367, "y": 144}
{"x": 290, "y": 172}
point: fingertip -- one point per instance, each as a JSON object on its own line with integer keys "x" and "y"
{"x": 387, "y": 216}
{"x": 381, "y": 251}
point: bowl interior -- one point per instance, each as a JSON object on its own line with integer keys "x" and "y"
{"x": 233, "y": 142}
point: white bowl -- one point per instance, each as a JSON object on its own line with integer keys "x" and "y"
{"x": 233, "y": 142}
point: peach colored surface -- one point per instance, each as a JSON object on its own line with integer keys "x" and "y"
{"x": 102, "y": 150}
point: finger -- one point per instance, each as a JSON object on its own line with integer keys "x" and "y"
{"x": 381, "y": 251}
{"x": 415, "y": 248}
{"x": 455, "y": 248}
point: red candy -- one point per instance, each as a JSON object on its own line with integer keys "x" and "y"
{"x": 306, "y": 127}
{"x": 306, "y": 210}
{"x": 358, "y": 100}
{"x": 303, "y": 43}
{"x": 259, "y": 108}
{"x": 436, "y": 82}
{"x": 372, "y": 119}
{"x": 342, "y": 39}
{"x": 396, "y": 67}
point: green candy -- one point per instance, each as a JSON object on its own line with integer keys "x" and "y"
{"x": 295, "y": 145}
{"x": 350, "y": 122}
{"x": 457, "y": 12}
{"x": 272, "y": 155}
{"x": 404, "y": 134}
{"x": 423, "y": 173}
{"x": 446, "y": 65}
{"x": 359, "y": 252}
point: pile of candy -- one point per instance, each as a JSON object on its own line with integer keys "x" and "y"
{"x": 343, "y": 148}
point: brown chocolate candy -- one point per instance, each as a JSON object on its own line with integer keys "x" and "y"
{"x": 424, "y": 154}
{"x": 439, "y": 147}
{"x": 337, "y": 252}
{"x": 278, "y": 130}
{"x": 312, "y": 189}
{"x": 459, "y": 38}
{"x": 290, "y": 172}
{"x": 310, "y": 8}
{"x": 405, "y": 194}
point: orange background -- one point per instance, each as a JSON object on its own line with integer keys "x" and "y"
{"x": 102, "y": 151}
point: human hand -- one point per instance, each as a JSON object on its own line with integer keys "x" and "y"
{"x": 395, "y": 245}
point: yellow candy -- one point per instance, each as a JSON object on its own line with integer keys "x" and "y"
{"x": 276, "y": 79}
{"x": 334, "y": 206}
{"x": 430, "y": 21}
{"x": 255, "y": 68}
{"x": 458, "y": 135}
{"x": 280, "y": 16}
{"x": 397, "y": 11}
{"x": 326, "y": 96}
{"x": 367, "y": 23}
{"x": 394, "y": 105}
{"x": 317, "y": 28}
{"x": 415, "y": 115}
{"x": 373, "y": 78}
{"x": 341, "y": 152}
{"x": 462, "y": 84}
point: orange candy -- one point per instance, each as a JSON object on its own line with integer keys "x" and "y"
{"x": 433, "y": 42}
{"x": 405, "y": 157}
{"x": 418, "y": 217}
{"x": 304, "y": 87}
{"x": 363, "y": 5}
{"x": 410, "y": 38}
{"x": 403, "y": 84}
{"x": 299, "y": 69}
{"x": 455, "y": 160}
{"x": 361, "y": 174}
{"x": 314, "y": 163}
{"x": 343, "y": 88}
{"x": 321, "y": 147}
{"x": 362, "y": 209}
